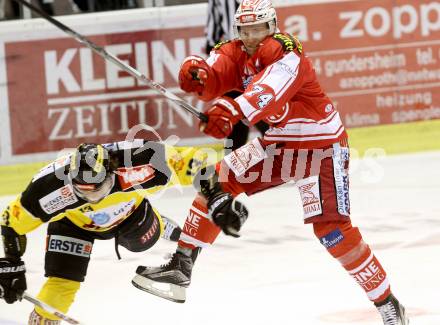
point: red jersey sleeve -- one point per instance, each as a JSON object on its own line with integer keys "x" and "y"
{"x": 224, "y": 72}
{"x": 283, "y": 76}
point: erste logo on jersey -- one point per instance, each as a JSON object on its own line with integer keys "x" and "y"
{"x": 69, "y": 245}
{"x": 131, "y": 176}
{"x": 58, "y": 199}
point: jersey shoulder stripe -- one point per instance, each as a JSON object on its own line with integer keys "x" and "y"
{"x": 288, "y": 42}
{"x": 220, "y": 44}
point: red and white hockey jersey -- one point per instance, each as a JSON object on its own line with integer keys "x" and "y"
{"x": 280, "y": 87}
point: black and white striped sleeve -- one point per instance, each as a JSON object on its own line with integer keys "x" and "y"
{"x": 219, "y": 25}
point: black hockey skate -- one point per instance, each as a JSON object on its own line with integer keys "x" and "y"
{"x": 167, "y": 281}
{"x": 392, "y": 312}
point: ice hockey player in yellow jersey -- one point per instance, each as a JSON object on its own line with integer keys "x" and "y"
{"x": 98, "y": 192}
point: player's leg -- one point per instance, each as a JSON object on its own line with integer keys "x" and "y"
{"x": 326, "y": 204}
{"x": 344, "y": 242}
{"x": 140, "y": 234}
{"x": 143, "y": 230}
{"x": 199, "y": 231}
{"x": 169, "y": 281}
{"x": 67, "y": 258}
{"x": 58, "y": 293}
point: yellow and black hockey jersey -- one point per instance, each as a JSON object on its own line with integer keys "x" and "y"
{"x": 143, "y": 168}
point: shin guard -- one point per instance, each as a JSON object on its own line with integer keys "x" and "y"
{"x": 198, "y": 230}
{"x": 345, "y": 243}
{"x": 58, "y": 293}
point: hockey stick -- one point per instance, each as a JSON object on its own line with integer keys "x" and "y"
{"x": 50, "y": 309}
{"x": 108, "y": 56}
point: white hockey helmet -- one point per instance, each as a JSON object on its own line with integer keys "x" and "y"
{"x": 253, "y": 12}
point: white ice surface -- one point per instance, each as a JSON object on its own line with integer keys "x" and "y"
{"x": 277, "y": 272}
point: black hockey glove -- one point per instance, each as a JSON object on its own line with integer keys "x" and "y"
{"x": 12, "y": 279}
{"x": 227, "y": 213}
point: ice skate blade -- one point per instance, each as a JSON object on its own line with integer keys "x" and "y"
{"x": 167, "y": 291}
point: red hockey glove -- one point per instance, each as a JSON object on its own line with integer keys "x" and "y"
{"x": 222, "y": 116}
{"x": 193, "y": 74}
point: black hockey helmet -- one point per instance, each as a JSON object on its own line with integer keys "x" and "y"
{"x": 90, "y": 172}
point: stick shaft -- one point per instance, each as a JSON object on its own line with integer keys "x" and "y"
{"x": 50, "y": 309}
{"x": 108, "y": 56}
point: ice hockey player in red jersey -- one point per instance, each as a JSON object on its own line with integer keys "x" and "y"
{"x": 306, "y": 143}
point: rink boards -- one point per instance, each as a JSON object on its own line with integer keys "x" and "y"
{"x": 378, "y": 61}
